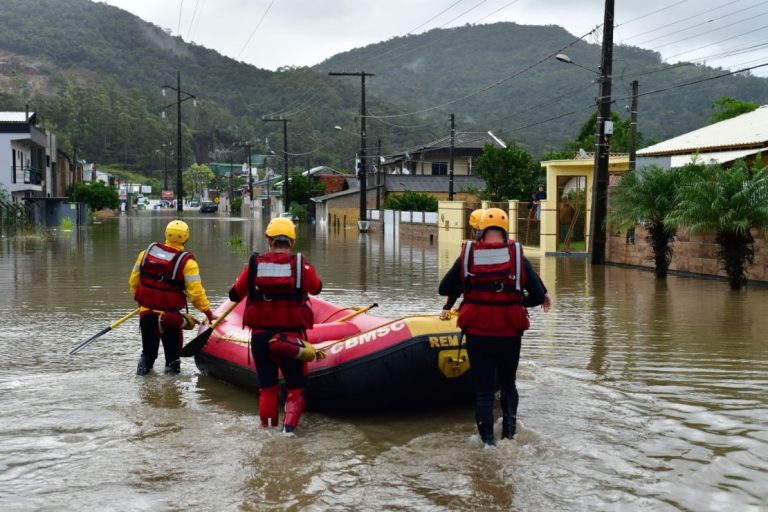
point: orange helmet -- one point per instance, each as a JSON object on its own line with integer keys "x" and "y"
{"x": 280, "y": 226}
{"x": 177, "y": 231}
{"x": 474, "y": 218}
{"x": 494, "y": 218}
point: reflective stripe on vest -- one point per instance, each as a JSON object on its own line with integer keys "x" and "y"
{"x": 273, "y": 270}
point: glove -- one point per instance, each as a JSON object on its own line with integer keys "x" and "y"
{"x": 547, "y": 303}
{"x": 307, "y": 352}
{"x": 189, "y": 322}
{"x": 445, "y": 314}
{"x": 320, "y": 354}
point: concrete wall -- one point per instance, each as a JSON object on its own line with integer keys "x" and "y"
{"x": 693, "y": 254}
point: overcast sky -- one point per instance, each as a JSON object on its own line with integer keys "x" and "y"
{"x": 274, "y": 33}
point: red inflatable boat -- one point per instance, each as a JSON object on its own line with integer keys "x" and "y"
{"x": 372, "y": 362}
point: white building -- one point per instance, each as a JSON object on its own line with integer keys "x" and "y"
{"x": 25, "y": 156}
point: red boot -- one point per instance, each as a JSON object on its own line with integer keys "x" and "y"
{"x": 294, "y": 406}
{"x": 268, "y": 406}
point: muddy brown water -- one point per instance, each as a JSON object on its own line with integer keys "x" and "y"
{"x": 635, "y": 394}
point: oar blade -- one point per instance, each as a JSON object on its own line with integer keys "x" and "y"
{"x": 90, "y": 340}
{"x": 196, "y": 345}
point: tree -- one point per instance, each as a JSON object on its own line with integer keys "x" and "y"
{"x": 410, "y": 201}
{"x": 509, "y": 173}
{"x": 585, "y": 137}
{"x": 730, "y": 202}
{"x": 301, "y": 188}
{"x": 196, "y": 178}
{"x": 95, "y": 194}
{"x": 726, "y": 108}
{"x": 647, "y": 194}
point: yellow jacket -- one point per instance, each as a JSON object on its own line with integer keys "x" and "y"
{"x": 193, "y": 285}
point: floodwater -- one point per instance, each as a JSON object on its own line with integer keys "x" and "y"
{"x": 635, "y": 394}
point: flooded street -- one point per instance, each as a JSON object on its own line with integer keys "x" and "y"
{"x": 635, "y": 394}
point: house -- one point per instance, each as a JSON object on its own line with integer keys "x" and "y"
{"x": 343, "y": 207}
{"x": 741, "y": 137}
{"x": 24, "y": 162}
{"x": 433, "y": 158}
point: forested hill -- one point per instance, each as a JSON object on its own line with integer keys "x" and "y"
{"x": 95, "y": 73}
{"x": 442, "y": 65}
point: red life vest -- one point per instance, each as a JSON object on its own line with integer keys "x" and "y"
{"x": 493, "y": 277}
{"x": 161, "y": 278}
{"x": 277, "y": 298}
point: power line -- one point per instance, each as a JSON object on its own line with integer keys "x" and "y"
{"x": 650, "y": 14}
{"x": 194, "y": 14}
{"x": 181, "y": 8}
{"x": 716, "y": 42}
{"x": 678, "y": 21}
{"x": 255, "y": 29}
{"x": 435, "y": 16}
{"x": 497, "y": 10}
{"x": 709, "y": 31}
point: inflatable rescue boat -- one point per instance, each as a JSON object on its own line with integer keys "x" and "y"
{"x": 371, "y": 362}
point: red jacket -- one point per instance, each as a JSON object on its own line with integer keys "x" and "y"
{"x": 161, "y": 278}
{"x": 493, "y": 278}
{"x": 277, "y": 286}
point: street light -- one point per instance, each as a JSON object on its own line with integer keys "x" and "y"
{"x": 604, "y": 130}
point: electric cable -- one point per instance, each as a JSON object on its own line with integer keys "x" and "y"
{"x": 261, "y": 20}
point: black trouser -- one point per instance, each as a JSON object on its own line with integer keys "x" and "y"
{"x": 490, "y": 356}
{"x": 150, "y": 339}
{"x": 268, "y": 363}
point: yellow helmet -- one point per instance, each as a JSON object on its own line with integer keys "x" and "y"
{"x": 474, "y": 218}
{"x": 177, "y": 231}
{"x": 494, "y": 218}
{"x": 281, "y": 226}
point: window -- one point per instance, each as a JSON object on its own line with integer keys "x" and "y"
{"x": 439, "y": 168}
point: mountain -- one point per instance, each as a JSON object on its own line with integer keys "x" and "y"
{"x": 439, "y": 66}
{"x": 94, "y": 74}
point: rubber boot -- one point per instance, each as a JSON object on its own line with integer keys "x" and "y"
{"x": 508, "y": 418}
{"x": 294, "y": 406}
{"x": 144, "y": 366}
{"x": 485, "y": 428}
{"x": 268, "y": 406}
{"x": 173, "y": 367}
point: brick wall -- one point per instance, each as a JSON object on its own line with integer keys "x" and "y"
{"x": 693, "y": 254}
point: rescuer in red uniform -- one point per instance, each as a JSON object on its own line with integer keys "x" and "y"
{"x": 277, "y": 285}
{"x": 162, "y": 279}
{"x": 498, "y": 284}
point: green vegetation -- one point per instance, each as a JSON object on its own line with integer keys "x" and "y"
{"x": 12, "y": 216}
{"x": 66, "y": 224}
{"x": 726, "y": 108}
{"x": 410, "y": 201}
{"x": 237, "y": 206}
{"x": 647, "y": 195}
{"x": 301, "y": 188}
{"x": 730, "y": 203}
{"x": 195, "y": 179}
{"x": 509, "y": 173}
{"x": 96, "y": 195}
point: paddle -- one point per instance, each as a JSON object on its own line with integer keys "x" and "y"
{"x": 355, "y": 313}
{"x": 199, "y": 341}
{"x": 102, "y": 332}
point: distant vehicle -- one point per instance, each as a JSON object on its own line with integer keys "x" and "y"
{"x": 209, "y": 207}
{"x": 289, "y": 215}
{"x": 194, "y": 203}
{"x": 142, "y": 202}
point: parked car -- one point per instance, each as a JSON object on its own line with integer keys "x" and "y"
{"x": 194, "y": 203}
{"x": 209, "y": 207}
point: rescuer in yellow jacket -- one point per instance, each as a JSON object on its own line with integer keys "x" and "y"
{"x": 163, "y": 278}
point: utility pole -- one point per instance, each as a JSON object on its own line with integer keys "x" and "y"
{"x": 633, "y": 127}
{"x": 378, "y": 175}
{"x": 231, "y": 188}
{"x": 363, "y": 224}
{"x": 285, "y": 156}
{"x": 247, "y": 147}
{"x": 602, "y": 144}
{"x": 450, "y": 169}
{"x": 165, "y": 167}
{"x": 179, "y": 100}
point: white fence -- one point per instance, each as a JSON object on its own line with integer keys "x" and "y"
{"x": 397, "y": 217}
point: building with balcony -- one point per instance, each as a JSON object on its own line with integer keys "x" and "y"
{"x": 24, "y": 158}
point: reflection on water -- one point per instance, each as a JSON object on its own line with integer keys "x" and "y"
{"x": 635, "y": 393}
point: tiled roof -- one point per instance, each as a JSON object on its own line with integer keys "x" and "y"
{"x": 741, "y": 132}
{"x": 426, "y": 183}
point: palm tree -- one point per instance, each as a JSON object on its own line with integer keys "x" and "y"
{"x": 730, "y": 202}
{"x": 647, "y": 195}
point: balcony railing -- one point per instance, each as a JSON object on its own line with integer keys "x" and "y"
{"x": 27, "y": 175}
